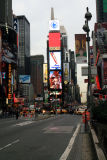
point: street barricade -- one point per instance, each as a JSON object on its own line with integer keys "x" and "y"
{"x": 85, "y": 116}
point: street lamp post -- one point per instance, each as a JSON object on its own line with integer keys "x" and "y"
{"x": 88, "y": 17}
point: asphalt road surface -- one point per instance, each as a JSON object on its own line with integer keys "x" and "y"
{"x": 55, "y": 138}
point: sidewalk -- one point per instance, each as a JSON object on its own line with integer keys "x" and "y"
{"x": 99, "y": 152}
{"x": 88, "y": 151}
{"x": 90, "y": 145}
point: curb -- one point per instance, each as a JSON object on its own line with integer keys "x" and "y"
{"x": 99, "y": 151}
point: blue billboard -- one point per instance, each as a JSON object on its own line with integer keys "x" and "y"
{"x": 24, "y": 78}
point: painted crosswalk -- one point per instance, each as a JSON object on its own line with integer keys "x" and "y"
{"x": 24, "y": 123}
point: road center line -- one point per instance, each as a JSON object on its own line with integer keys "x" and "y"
{"x": 70, "y": 145}
{"x": 10, "y": 144}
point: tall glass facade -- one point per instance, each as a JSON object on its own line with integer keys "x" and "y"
{"x": 6, "y": 12}
{"x": 101, "y": 8}
{"x": 23, "y": 45}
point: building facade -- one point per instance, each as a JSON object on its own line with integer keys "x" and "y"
{"x": 22, "y": 27}
{"x": 8, "y": 56}
{"x": 6, "y": 12}
{"x": 23, "y": 45}
{"x": 101, "y": 11}
{"x": 37, "y": 74}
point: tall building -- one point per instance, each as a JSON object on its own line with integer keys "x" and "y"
{"x": 23, "y": 45}
{"x": 64, "y": 43}
{"x": 54, "y": 61}
{"x": 101, "y": 10}
{"x": 6, "y": 12}
{"x": 37, "y": 74}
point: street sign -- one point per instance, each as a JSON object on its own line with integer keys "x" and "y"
{"x": 85, "y": 71}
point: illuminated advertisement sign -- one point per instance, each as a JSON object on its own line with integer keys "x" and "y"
{"x": 80, "y": 48}
{"x": 9, "y": 82}
{"x": 56, "y": 93}
{"x": 55, "y": 80}
{"x": 24, "y": 78}
{"x": 45, "y": 73}
{"x": 54, "y": 41}
{"x": 66, "y": 72}
{"x": 54, "y": 25}
{"x": 55, "y": 60}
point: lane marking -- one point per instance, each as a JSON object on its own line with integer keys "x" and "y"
{"x": 70, "y": 145}
{"x": 24, "y": 123}
{"x": 10, "y": 144}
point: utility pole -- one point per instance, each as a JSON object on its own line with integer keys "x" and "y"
{"x": 88, "y": 17}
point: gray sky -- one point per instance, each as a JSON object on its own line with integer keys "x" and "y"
{"x": 70, "y": 13}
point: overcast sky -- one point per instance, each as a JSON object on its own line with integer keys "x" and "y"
{"x": 70, "y": 13}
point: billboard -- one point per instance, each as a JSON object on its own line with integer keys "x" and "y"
{"x": 24, "y": 78}
{"x": 54, "y": 25}
{"x": 55, "y": 79}
{"x": 54, "y": 60}
{"x": 9, "y": 82}
{"x": 66, "y": 72}
{"x": 54, "y": 41}
{"x": 45, "y": 73}
{"x": 80, "y": 48}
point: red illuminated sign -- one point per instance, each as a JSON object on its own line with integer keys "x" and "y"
{"x": 54, "y": 41}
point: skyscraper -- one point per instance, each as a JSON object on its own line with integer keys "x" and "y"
{"x": 101, "y": 10}
{"x": 37, "y": 74}
{"x": 6, "y": 12}
{"x": 64, "y": 42}
{"x": 23, "y": 45}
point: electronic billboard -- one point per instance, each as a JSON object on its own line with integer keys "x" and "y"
{"x": 54, "y": 60}
{"x": 55, "y": 79}
{"x": 80, "y": 48}
{"x": 54, "y": 41}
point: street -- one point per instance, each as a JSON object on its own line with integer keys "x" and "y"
{"x": 55, "y": 138}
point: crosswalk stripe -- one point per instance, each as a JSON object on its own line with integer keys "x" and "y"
{"x": 23, "y": 123}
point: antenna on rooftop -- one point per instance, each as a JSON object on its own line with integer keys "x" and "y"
{"x": 52, "y": 14}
